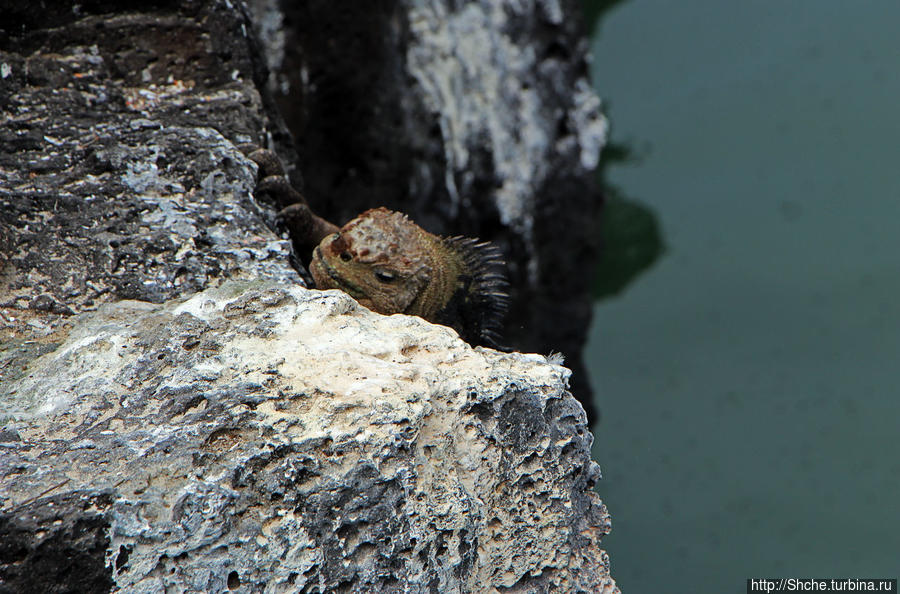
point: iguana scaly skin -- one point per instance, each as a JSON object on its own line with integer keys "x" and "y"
{"x": 391, "y": 265}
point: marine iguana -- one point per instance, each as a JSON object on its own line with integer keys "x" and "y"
{"x": 391, "y": 265}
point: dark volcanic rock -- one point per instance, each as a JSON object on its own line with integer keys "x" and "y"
{"x": 56, "y": 544}
{"x": 119, "y": 176}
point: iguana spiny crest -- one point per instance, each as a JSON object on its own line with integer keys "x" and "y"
{"x": 391, "y": 265}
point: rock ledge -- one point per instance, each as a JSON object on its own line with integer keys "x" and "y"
{"x": 264, "y": 437}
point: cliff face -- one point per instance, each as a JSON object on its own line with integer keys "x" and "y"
{"x": 178, "y": 411}
{"x": 264, "y": 437}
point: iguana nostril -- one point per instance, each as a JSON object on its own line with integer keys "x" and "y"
{"x": 339, "y": 245}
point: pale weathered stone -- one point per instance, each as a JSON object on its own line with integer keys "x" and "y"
{"x": 265, "y": 437}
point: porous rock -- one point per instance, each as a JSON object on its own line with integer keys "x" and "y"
{"x": 120, "y": 176}
{"x": 119, "y": 172}
{"x": 264, "y": 437}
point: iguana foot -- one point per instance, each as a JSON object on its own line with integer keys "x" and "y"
{"x": 305, "y": 228}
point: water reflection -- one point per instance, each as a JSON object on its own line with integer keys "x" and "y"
{"x": 631, "y": 239}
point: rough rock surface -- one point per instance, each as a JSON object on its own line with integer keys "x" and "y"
{"x": 267, "y": 437}
{"x": 119, "y": 176}
{"x": 474, "y": 118}
{"x": 119, "y": 172}
{"x": 155, "y": 442}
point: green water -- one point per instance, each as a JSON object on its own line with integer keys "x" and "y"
{"x": 750, "y": 381}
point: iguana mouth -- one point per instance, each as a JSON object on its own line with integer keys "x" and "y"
{"x": 333, "y": 274}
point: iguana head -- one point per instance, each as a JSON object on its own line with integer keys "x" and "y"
{"x": 391, "y": 265}
{"x": 380, "y": 258}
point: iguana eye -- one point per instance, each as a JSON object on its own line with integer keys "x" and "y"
{"x": 345, "y": 256}
{"x": 384, "y": 276}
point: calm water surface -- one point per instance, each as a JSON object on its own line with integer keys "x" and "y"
{"x": 750, "y": 381}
